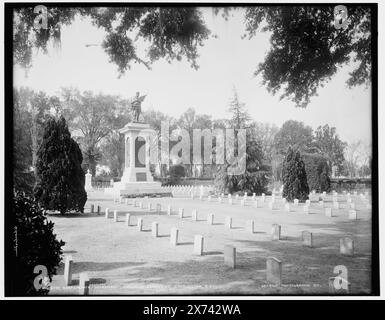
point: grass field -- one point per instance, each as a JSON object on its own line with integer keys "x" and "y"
{"x": 120, "y": 260}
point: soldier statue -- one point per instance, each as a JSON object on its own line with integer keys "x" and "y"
{"x": 136, "y": 106}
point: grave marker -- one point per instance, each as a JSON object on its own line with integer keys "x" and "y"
{"x": 230, "y": 256}
{"x": 68, "y": 270}
{"x": 210, "y": 218}
{"x": 115, "y": 216}
{"x": 274, "y": 270}
{"x": 84, "y": 283}
{"x": 92, "y": 208}
{"x": 128, "y": 217}
{"x": 140, "y": 224}
{"x": 250, "y": 226}
{"x": 174, "y": 236}
{"x": 346, "y": 246}
{"x": 107, "y": 213}
{"x": 329, "y": 212}
{"x": 154, "y": 229}
{"x": 276, "y": 232}
{"x": 307, "y": 238}
{"x": 352, "y": 214}
{"x": 229, "y": 222}
{"x": 194, "y": 215}
{"x": 181, "y": 211}
{"x": 198, "y": 245}
{"x": 169, "y": 211}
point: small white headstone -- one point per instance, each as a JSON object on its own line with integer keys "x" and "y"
{"x": 169, "y": 210}
{"x": 230, "y": 256}
{"x": 346, "y": 246}
{"x": 181, "y": 212}
{"x": 128, "y": 216}
{"x": 307, "y": 238}
{"x": 198, "y": 245}
{"x": 194, "y": 215}
{"x": 174, "y": 236}
{"x": 276, "y": 232}
{"x": 107, "y": 213}
{"x": 154, "y": 229}
{"x": 352, "y": 214}
{"x": 250, "y": 226}
{"x": 274, "y": 270}
{"x": 210, "y": 218}
{"x": 287, "y": 207}
{"x": 140, "y": 224}
{"x": 329, "y": 212}
{"x": 84, "y": 283}
{"x": 115, "y": 215}
{"x": 229, "y": 222}
{"x": 68, "y": 270}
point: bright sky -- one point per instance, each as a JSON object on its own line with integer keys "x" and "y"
{"x": 172, "y": 88}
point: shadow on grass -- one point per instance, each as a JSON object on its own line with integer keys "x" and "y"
{"x": 93, "y": 281}
{"x": 185, "y": 243}
{"x": 90, "y": 266}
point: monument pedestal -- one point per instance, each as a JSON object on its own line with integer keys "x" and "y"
{"x": 137, "y": 179}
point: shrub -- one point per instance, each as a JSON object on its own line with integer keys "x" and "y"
{"x": 318, "y": 172}
{"x": 60, "y": 177}
{"x": 176, "y": 173}
{"x": 254, "y": 179}
{"x": 295, "y": 184}
{"x": 34, "y": 244}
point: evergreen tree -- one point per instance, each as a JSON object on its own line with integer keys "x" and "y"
{"x": 60, "y": 177}
{"x": 294, "y": 177}
{"x": 254, "y": 179}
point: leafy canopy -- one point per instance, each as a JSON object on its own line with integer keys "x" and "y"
{"x": 307, "y": 50}
{"x": 169, "y": 33}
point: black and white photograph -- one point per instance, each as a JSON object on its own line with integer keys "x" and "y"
{"x": 191, "y": 149}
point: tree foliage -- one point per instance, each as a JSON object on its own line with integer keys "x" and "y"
{"x": 317, "y": 172}
{"x": 294, "y": 134}
{"x": 34, "y": 244}
{"x": 295, "y": 184}
{"x": 60, "y": 177}
{"x": 330, "y": 145}
{"x": 307, "y": 50}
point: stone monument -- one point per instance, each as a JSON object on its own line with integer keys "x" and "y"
{"x": 137, "y": 179}
{"x": 88, "y": 182}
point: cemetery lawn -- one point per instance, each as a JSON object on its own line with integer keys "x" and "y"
{"x": 120, "y": 260}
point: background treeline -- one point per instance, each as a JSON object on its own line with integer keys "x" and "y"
{"x": 94, "y": 120}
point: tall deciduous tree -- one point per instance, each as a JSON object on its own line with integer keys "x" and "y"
{"x": 307, "y": 49}
{"x": 60, "y": 177}
{"x": 330, "y": 146}
{"x": 295, "y": 134}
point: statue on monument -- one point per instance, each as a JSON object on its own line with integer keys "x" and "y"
{"x": 136, "y": 106}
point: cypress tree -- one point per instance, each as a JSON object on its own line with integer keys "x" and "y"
{"x": 294, "y": 177}
{"x": 60, "y": 177}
